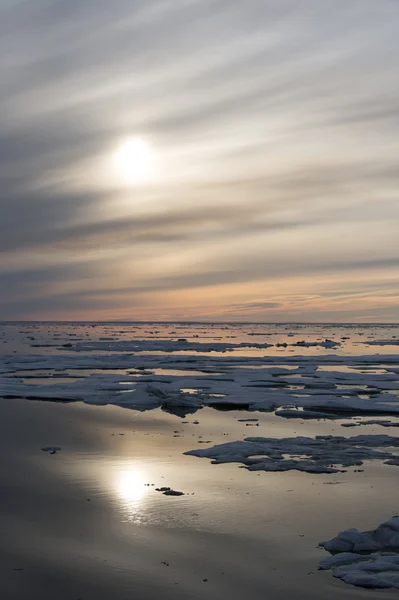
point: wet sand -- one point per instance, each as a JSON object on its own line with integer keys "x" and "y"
{"x": 83, "y": 524}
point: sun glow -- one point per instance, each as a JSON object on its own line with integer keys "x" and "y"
{"x": 134, "y": 161}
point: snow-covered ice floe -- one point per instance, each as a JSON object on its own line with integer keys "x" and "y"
{"x": 144, "y": 345}
{"x": 322, "y": 454}
{"x": 298, "y": 386}
{"x": 367, "y": 559}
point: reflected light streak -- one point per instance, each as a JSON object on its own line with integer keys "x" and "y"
{"x": 130, "y": 486}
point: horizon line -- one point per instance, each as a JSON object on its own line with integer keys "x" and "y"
{"x": 195, "y": 322}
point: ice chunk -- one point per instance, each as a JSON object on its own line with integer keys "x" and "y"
{"x": 379, "y": 572}
{"x": 351, "y": 540}
{"x": 378, "y": 569}
{"x": 336, "y": 560}
{"x": 291, "y": 413}
{"x": 52, "y": 449}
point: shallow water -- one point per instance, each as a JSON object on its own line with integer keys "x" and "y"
{"x": 83, "y": 523}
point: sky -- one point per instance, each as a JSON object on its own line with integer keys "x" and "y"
{"x": 199, "y": 160}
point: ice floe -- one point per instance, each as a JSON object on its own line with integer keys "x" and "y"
{"x": 376, "y": 572}
{"x": 154, "y": 372}
{"x": 386, "y": 536}
{"x": 365, "y": 559}
{"x": 382, "y": 423}
{"x": 291, "y": 413}
{"x": 156, "y": 345}
{"x": 322, "y": 454}
{"x": 392, "y": 342}
{"x": 300, "y": 389}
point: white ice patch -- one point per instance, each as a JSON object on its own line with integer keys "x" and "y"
{"x": 165, "y": 345}
{"x": 158, "y": 345}
{"x": 378, "y": 569}
{"x": 303, "y": 344}
{"x": 255, "y": 383}
{"x": 323, "y": 454}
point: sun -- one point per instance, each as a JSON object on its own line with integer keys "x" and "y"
{"x": 133, "y": 160}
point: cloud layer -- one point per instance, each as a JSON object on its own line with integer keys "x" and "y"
{"x": 274, "y": 126}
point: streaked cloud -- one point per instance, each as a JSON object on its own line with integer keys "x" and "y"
{"x": 275, "y": 130}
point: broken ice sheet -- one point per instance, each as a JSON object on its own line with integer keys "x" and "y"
{"x": 333, "y": 386}
{"x": 322, "y": 454}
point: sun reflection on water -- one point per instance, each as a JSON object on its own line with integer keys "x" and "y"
{"x": 130, "y": 486}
